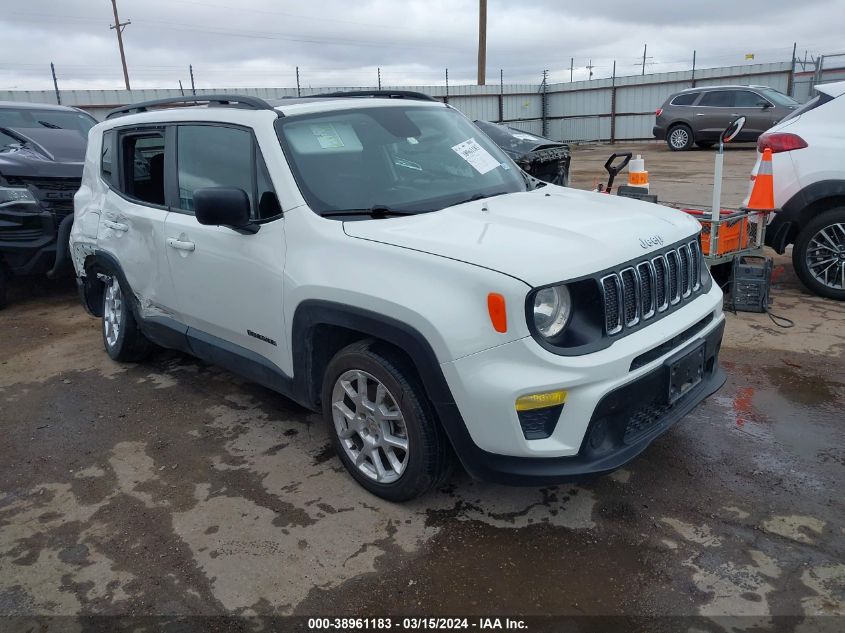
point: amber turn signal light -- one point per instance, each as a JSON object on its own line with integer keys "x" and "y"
{"x": 498, "y": 314}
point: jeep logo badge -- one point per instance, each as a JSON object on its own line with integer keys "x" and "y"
{"x": 648, "y": 242}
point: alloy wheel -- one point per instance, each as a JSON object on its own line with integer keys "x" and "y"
{"x": 112, "y": 312}
{"x": 679, "y": 138}
{"x": 370, "y": 426}
{"x": 826, "y": 256}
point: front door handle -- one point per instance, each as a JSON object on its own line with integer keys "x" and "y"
{"x": 115, "y": 226}
{"x": 180, "y": 245}
{"x": 700, "y": 114}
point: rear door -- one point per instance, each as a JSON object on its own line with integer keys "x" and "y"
{"x": 712, "y": 114}
{"x": 133, "y": 213}
{"x": 229, "y": 284}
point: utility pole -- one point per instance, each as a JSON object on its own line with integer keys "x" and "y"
{"x": 298, "y": 92}
{"x": 181, "y": 89}
{"x": 118, "y": 26}
{"x": 645, "y": 48}
{"x": 790, "y": 88}
{"x": 482, "y": 41}
{"x": 379, "y": 77}
{"x": 193, "y": 87}
{"x": 692, "y": 79}
{"x": 55, "y": 84}
{"x": 545, "y": 103}
{"x": 590, "y": 68}
{"x": 446, "y": 100}
{"x": 571, "y": 68}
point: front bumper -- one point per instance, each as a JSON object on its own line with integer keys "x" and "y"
{"x": 28, "y": 241}
{"x": 621, "y": 388}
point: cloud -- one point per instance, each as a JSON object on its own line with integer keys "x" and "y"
{"x": 239, "y": 43}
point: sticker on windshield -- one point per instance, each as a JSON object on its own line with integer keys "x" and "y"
{"x": 476, "y": 156}
{"x": 327, "y": 136}
{"x": 524, "y": 137}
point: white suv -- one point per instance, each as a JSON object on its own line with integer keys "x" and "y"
{"x": 375, "y": 257}
{"x": 808, "y": 162}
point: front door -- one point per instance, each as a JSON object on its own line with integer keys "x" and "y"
{"x": 229, "y": 284}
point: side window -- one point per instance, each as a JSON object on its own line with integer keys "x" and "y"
{"x": 213, "y": 156}
{"x": 142, "y": 166}
{"x": 106, "y": 160}
{"x": 686, "y": 98}
{"x": 718, "y": 99}
{"x": 748, "y": 99}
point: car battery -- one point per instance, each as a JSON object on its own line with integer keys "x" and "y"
{"x": 752, "y": 278}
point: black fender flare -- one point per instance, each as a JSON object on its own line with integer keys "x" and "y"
{"x": 313, "y": 312}
{"x": 800, "y": 209}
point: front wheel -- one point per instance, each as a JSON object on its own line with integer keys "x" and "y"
{"x": 819, "y": 254}
{"x": 679, "y": 138}
{"x": 381, "y": 423}
{"x": 122, "y": 338}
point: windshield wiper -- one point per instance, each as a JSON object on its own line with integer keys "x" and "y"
{"x": 480, "y": 196}
{"x": 375, "y": 211}
{"x": 52, "y": 126}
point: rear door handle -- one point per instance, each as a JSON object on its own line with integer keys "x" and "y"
{"x": 180, "y": 245}
{"x": 115, "y": 226}
{"x": 700, "y": 114}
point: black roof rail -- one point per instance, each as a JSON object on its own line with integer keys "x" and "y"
{"x": 384, "y": 94}
{"x": 232, "y": 101}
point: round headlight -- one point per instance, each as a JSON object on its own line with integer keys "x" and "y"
{"x": 552, "y": 307}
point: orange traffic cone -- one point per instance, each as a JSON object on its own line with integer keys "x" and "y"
{"x": 762, "y": 196}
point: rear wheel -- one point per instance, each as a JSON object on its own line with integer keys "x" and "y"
{"x": 679, "y": 138}
{"x": 122, "y": 338}
{"x": 819, "y": 254}
{"x": 381, "y": 423}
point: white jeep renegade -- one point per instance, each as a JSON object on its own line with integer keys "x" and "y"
{"x": 375, "y": 257}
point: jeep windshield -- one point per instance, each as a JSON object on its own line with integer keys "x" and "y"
{"x": 399, "y": 159}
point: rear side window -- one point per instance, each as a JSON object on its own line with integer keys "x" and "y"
{"x": 685, "y": 98}
{"x": 106, "y": 158}
{"x": 218, "y": 156}
{"x": 718, "y": 99}
{"x": 142, "y": 166}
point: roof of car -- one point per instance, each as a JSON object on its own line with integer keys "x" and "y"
{"x": 834, "y": 89}
{"x": 22, "y": 105}
{"x": 725, "y": 87}
{"x": 307, "y": 105}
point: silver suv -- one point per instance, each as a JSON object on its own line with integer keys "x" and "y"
{"x": 698, "y": 115}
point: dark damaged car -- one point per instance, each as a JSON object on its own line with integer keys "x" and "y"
{"x": 542, "y": 158}
{"x": 42, "y": 149}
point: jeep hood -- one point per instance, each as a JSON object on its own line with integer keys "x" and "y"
{"x": 540, "y": 237}
{"x": 42, "y": 153}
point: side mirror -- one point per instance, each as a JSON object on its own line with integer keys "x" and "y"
{"x": 765, "y": 105}
{"x": 224, "y": 206}
{"x": 733, "y": 130}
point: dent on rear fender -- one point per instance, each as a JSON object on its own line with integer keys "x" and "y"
{"x": 83, "y": 239}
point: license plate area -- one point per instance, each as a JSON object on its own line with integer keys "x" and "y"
{"x": 685, "y": 371}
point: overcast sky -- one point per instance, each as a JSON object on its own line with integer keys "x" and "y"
{"x": 259, "y": 43}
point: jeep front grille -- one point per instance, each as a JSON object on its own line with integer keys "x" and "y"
{"x": 649, "y": 287}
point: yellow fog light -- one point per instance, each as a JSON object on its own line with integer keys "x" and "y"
{"x": 540, "y": 400}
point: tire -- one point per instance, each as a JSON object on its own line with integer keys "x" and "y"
{"x": 822, "y": 240}
{"x": 679, "y": 137}
{"x": 705, "y": 144}
{"x": 359, "y": 434}
{"x": 122, "y": 338}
